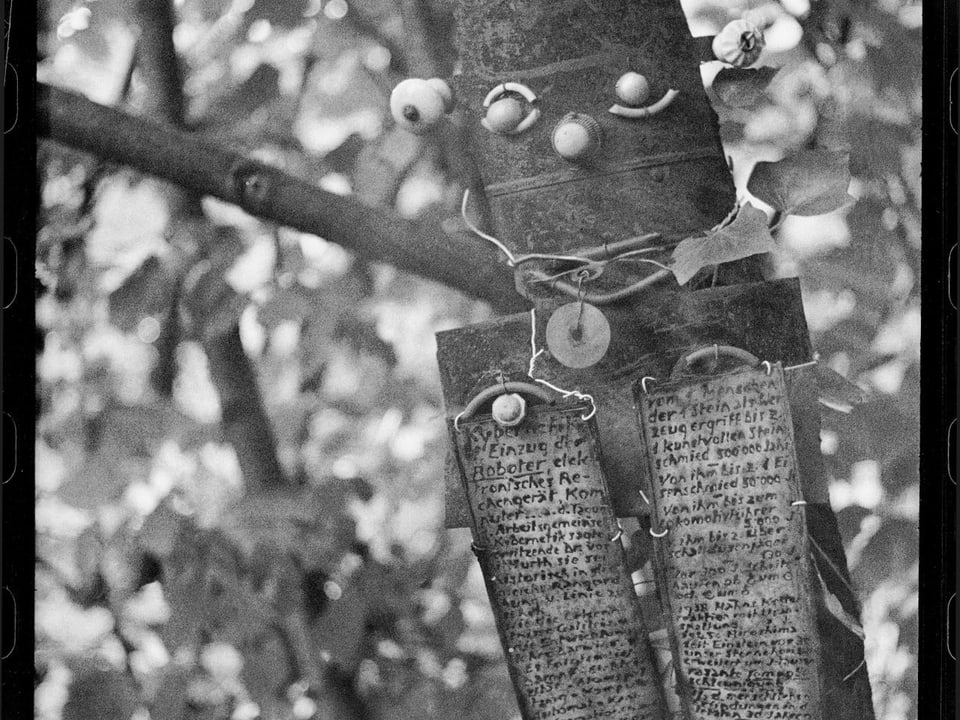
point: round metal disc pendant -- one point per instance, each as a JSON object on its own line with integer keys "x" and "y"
{"x": 573, "y": 347}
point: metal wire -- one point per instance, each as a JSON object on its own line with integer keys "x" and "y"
{"x": 566, "y": 288}
{"x": 513, "y": 260}
{"x": 534, "y": 354}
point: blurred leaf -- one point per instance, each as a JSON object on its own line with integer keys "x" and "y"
{"x": 145, "y": 292}
{"x": 487, "y": 695}
{"x": 140, "y": 430}
{"x": 812, "y": 182}
{"x": 285, "y": 305}
{"x": 99, "y": 481}
{"x": 159, "y": 532}
{"x": 101, "y": 694}
{"x": 240, "y": 102}
{"x": 876, "y": 144}
{"x": 746, "y": 235}
{"x": 211, "y": 307}
{"x": 835, "y": 391}
{"x": 893, "y": 550}
{"x": 742, "y": 87}
{"x": 267, "y": 669}
{"x": 285, "y": 13}
{"x": 170, "y": 700}
{"x": 343, "y": 158}
{"x": 340, "y": 630}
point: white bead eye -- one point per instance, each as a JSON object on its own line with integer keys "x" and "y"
{"x": 418, "y": 105}
{"x": 632, "y": 88}
{"x": 738, "y": 44}
{"x": 506, "y": 114}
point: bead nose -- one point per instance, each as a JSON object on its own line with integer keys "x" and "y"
{"x": 577, "y": 137}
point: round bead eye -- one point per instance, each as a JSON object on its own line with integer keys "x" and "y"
{"x": 738, "y": 44}
{"x": 504, "y": 115}
{"x": 576, "y": 137}
{"x": 418, "y": 105}
{"x": 442, "y": 89}
{"x": 632, "y": 88}
{"x": 509, "y": 409}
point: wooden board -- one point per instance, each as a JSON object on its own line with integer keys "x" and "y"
{"x": 571, "y": 53}
{"x": 548, "y": 543}
{"x": 648, "y": 338}
{"x": 733, "y": 566}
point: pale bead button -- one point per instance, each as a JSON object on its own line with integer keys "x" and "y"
{"x": 509, "y": 409}
{"x": 632, "y": 88}
{"x": 504, "y": 115}
{"x": 576, "y": 137}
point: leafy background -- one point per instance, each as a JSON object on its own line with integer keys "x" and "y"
{"x": 166, "y": 587}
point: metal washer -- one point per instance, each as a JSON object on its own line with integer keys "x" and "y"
{"x": 571, "y": 349}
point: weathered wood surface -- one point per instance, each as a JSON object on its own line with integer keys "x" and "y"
{"x": 553, "y": 563}
{"x": 665, "y": 173}
{"x": 733, "y": 561}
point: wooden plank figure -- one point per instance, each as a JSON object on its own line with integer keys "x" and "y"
{"x": 597, "y": 153}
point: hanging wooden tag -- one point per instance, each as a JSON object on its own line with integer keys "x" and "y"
{"x": 549, "y": 545}
{"x": 732, "y": 547}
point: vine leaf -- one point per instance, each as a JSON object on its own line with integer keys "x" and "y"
{"x": 742, "y": 87}
{"x": 836, "y": 392}
{"x": 812, "y": 182}
{"x": 746, "y": 235}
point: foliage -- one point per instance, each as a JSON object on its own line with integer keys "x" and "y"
{"x": 747, "y": 234}
{"x": 166, "y": 586}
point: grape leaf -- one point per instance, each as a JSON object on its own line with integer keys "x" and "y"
{"x": 836, "y": 392}
{"x": 742, "y": 87}
{"x": 746, "y": 235}
{"x": 812, "y": 182}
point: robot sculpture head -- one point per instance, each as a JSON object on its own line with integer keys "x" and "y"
{"x": 578, "y": 112}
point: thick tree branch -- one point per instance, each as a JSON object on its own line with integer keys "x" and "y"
{"x": 206, "y": 169}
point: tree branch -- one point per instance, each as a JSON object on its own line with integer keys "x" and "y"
{"x": 204, "y": 168}
{"x": 244, "y": 420}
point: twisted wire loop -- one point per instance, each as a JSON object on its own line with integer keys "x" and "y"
{"x": 534, "y": 354}
{"x": 715, "y": 351}
{"x": 503, "y": 386}
{"x": 595, "y": 259}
